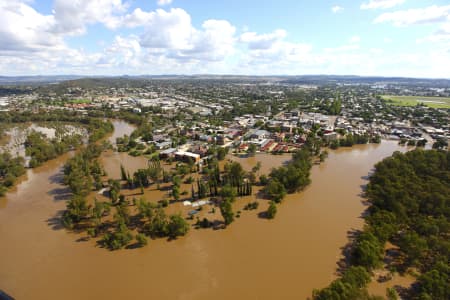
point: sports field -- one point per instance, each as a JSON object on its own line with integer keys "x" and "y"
{"x": 436, "y": 102}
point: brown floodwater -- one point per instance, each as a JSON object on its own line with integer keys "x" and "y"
{"x": 120, "y": 129}
{"x": 285, "y": 258}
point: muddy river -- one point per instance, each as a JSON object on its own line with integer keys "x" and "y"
{"x": 285, "y": 258}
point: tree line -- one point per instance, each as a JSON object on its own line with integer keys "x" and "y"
{"x": 83, "y": 174}
{"x": 42, "y": 149}
{"x": 10, "y": 169}
{"x": 290, "y": 178}
{"x": 409, "y": 207}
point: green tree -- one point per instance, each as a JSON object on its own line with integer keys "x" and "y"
{"x": 221, "y": 153}
{"x": 263, "y": 180}
{"x": 141, "y": 239}
{"x": 275, "y": 190}
{"x": 391, "y": 294}
{"x": 177, "y": 226}
{"x": 272, "y": 210}
{"x": 176, "y": 193}
{"x": 123, "y": 173}
{"x": 251, "y": 149}
{"x": 257, "y": 167}
{"x": 368, "y": 252}
{"x": 435, "y": 284}
{"x": 158, "y": 225}
{"x": 118, "y": 239}
{"x": 440, "y": 144}
{"x": 226, "y": 210}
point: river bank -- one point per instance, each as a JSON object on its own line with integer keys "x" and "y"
{"x": 253, "y": 258}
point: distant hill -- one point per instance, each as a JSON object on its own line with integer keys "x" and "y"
{"x": 351, "y": 79}
{"x": 300, "y": 79}
{"x": 14, "y": 80}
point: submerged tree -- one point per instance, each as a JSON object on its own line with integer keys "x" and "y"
{"x": 177, "y": 226}
{"x": 272, "y": 210}
{"x": 226, "y": 210}
{"x": 275, "y": 190}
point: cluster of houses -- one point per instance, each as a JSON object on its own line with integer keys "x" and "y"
{"x": 285, "y": 132}
{"x": 279, "y": 135}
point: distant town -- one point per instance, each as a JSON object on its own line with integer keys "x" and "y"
{"x": 273, "y": 114}
{"x": 125, "y": 162}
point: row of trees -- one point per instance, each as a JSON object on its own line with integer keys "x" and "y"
{"x": 332, "y": 107}
{"x": 150, "y": 220}
{"x": 39, "y": 147}
{"x": 410, "y": 205}
{"x": 82, "y": 173}
{"x": 292, "y": 177}
{"x": 42, "y": 149}
{"x": 354, "y": 139}
{"x": 97, "y": 128}
{"x": 10, "y": 168}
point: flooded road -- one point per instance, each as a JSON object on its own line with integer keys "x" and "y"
{"x": 285, "y": 258}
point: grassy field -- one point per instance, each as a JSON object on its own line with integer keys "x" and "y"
{"x": 436, "y": 102}
{"x": 79, "y": 101}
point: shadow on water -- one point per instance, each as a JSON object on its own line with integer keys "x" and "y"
{"x": 55, "y": 222}
{"x": 60, "y": 194}
{"x": 263, "y": 215}
{"x": 5, "y": 296}
{"x": 212, "y": 225}
{"x": 133, "y": 246}
{"x": 363, "y": 187}
{"x": 57, "y": 178}
{"x": 346, "y": 251}
{"x": 82, "y": 239}
{"x": 353, "y": 234}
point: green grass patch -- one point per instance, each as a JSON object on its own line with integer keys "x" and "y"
{"x": 79, "y": 101}
{"x": 435, "y": 102}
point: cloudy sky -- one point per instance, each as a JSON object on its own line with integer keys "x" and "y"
{"x": 254, "y": 37}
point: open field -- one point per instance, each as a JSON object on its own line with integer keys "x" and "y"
{"x": 435, "y": 102}
{"x": 80, "y": 101}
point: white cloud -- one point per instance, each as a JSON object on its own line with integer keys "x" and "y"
{"x": 168, "y": 29}
{"x": 336, "y": 9}
{"x": 355, "y": 39}
{"x": 270, "y": 51}
{"x": 37, "y": 41}
{"x": 214, "y": 42}
{"x": 431, "y": 14}
{"x": 24, "y": 29}
{"x": 440, "y": 35}
{"x": 166, "y": 41}
{"x": 343, "y": 49}
{"x": 72, "y": 17}
{"x": 374, "y": 4}
{"x": 137, "y": 18}
{"x": 262, "y": 41}
{"x": 124, "y": 51}
{"x": 164, "y": 2}
{"x": 173, "y": 31}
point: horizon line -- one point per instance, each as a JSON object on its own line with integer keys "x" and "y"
{"x": 224, "y": 75}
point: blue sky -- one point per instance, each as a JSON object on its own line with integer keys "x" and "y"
{"x": 286, "y": 37}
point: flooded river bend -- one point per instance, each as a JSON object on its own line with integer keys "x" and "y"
{"x": 252, "y": 259}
